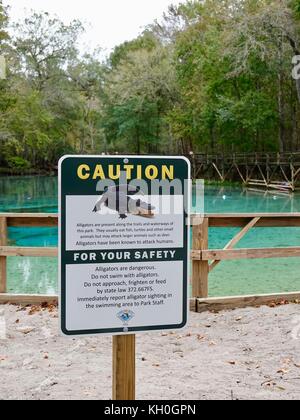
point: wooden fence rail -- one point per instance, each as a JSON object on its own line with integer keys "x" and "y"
{"x": 204, "y": 259}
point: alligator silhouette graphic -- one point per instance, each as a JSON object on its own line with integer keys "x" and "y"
{"x": 120, "y": 200}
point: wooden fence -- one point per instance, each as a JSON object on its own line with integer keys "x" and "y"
{"x": 204, "y": 259}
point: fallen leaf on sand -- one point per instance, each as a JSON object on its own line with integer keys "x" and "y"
{"x": 25, "y": 330}
{"x": 239, "y": 319}
{"x": 297, "y": 365}
{"x": 33, "y": 310}
{"x": 275, "y": 304}
{"x": 283, "y": 371}
{"x": 22, "y": 308}
{"x": 200, "y": 337}
{"x": 50, "y": 307}
{"x": 47, "y": 383}
{"x": 232, "y": 362}
{"x": 27, "y": 362}
{"x": 156, "y": 365}
{"x": 269, "y": 384}
{"x": 3, "y": 358}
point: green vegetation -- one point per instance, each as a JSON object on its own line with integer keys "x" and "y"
{"x": 211, "y": 76}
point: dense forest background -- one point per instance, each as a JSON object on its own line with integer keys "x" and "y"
{"x": 211, "y": 76}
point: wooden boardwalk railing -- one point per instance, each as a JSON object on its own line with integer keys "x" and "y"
{"x": 274, "y": 171}
{"x": 204, "y": 259}
{"x": 250, "y": 158}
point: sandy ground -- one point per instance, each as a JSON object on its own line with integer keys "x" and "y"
{"x": 241, "y": 354}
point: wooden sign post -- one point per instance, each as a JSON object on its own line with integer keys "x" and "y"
{"x": 124, "y": 368}
{"x": 3, "y": 242}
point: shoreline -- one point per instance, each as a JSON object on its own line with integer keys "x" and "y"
{"x": 4, "y": 172}
{"x": 15, "y": 173}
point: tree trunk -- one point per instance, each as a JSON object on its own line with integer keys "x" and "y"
{"x": 212, "y": 138}
{"x": 281, "y": 113}
{"x": 298, "y": 88}
{"x": 293, "y": 113}
{"x": 138, "y": 142}
{"x": 281, "y": 133}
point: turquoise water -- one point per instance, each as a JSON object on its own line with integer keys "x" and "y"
{"x": 39, "y": 275}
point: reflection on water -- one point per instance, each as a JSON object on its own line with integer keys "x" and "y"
{"x": 39, "y": 275}
{"x": 32, "y": 275}
{"x": 242, "y": 200}
{"x": 28, "y": 194}
{"x": 39, "y": 194}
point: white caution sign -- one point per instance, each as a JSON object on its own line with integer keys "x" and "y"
{"x": 124, "y": 244}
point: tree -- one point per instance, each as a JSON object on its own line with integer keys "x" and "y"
{"x": 87, "y": 76}
{"x": 56, "y": 108}
{"x": 233, "y": 63}
{"x": 139, "y": 90}
{"x": 3, "y": 24}
{"x": 6, "y": 99}
{"x": 44, "y": 45}
{"x": 211, "y": 76}
{"x": 267, "y": 34}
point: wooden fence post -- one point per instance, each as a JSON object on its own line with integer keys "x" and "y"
{"x": 200, "y": 268}
{"x": 124, "y": 368}
{"x": 3, "y": 242}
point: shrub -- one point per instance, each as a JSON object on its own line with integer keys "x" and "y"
{"x": 17, "y": 162}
